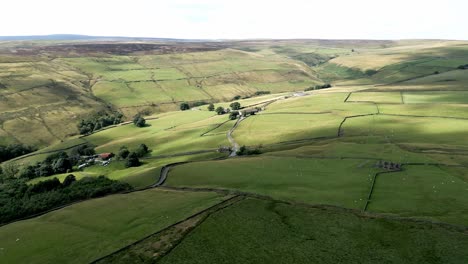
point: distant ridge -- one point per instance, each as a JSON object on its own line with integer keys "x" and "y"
{"x": 86, "y": 37}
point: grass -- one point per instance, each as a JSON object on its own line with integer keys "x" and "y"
{"x": 377, "y": 97}
{"x": 255, "y": 231}
{"x": 86, "y": 231}
{"x": 146, "y": 174}
{"x": 171, "y": 133}
{"x": 268, "y": 129}
{"x": 422, "y": 191}
{"x": 317, "y": 181}
{"x": 447, "y": 110}
{"x": 453, "y": 97}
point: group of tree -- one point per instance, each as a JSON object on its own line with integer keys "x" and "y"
{"x": 19, "y": 200}
{"x": 243, "y": 151}
{"x": 14, "y": 150}
{"x": 99, "y": 120}
{"x": 55, "y": 163}
{"x": 132, "y": 158}
{"x": 262, "y": 92}
{"x": 139, "y": 121}
{"x": 318, "y": 87}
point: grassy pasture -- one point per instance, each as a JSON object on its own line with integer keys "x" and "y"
{"x": 88, "y": 230}
{"x": 453, "y": 97}
{"x": 142, "y": 176}
{"x": 318, "y": 181}
{"x": 447, "y": 110}
{"x": 366, "y": 150}
{"x": 171, "y": 133}
{"x": 256, "y": 231}
{"x": 422, "y": 191}
{"x": 268, "y": 129}
{"x": 399, "y": 129}
{"x": 377, "y": 97}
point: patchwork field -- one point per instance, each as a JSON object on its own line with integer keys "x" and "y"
{"x": 372, "y": 169}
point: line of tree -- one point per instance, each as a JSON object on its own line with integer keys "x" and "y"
{"x": 99, "y": 120}
{"x": 12, "y": 151}
{"x": 243, "y": 151}
{"x": 318, "y": 87}
{"x": 19, "y": 200}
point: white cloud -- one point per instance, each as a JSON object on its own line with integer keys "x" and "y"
{"x": 238, "y": 18}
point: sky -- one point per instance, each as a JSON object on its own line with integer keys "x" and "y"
{"x": 239, "y": 19}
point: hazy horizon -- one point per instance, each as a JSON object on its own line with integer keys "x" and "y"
{"x": 238, "y": 20}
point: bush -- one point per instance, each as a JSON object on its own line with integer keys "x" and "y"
{"x": 235, "y": 106}
{"x": 369, "y": 72}
{"x": 184, "y": 106}
{"x": 237, "y": 97}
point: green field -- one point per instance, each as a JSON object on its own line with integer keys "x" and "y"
{"x": 86, "y": 231}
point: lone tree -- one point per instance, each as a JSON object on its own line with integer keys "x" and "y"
{"x": 233, "y": 115}
{"x": 220, "y": 110}
{"x": 211, "y": 107}
{"x": 235, "y": 106}
{"x": 139, "y": 121}
{"x": 184, "y": 106}
{"x": 132, "y": 160}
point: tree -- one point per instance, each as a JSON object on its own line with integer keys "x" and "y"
{"x": 233, "y": 115}
{"x": 61, "y": 165}
{"x": 123, "y": 152}
{"x": 235, "y": 106}
{"x": 139, "y": 121}
{"x": 184, "y": 106}
{"x": 69, "y": 180}
{"x": 220, "y": 110}
{"x": 142, "y": 150}
{"x": 10, "y": 169}
{"x": 211, "y": 107}
{"x": 132, "y": 160}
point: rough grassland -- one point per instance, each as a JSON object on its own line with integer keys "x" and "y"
{"x": 254, "y": 231}
{"x": 89, "y": 230}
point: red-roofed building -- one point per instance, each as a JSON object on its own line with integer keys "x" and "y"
{"x": 105, "y": 156}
